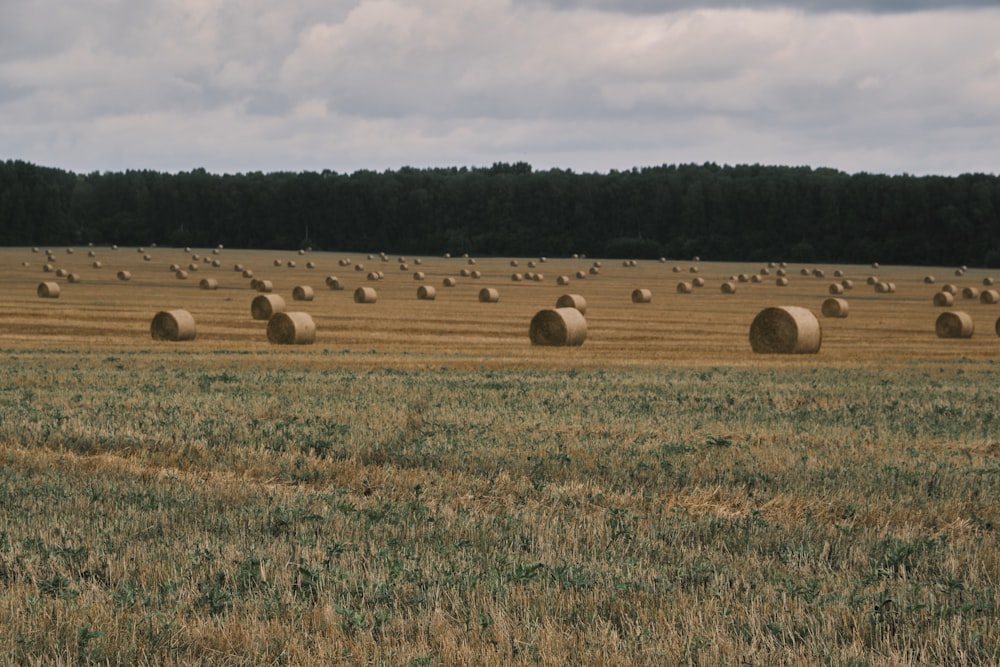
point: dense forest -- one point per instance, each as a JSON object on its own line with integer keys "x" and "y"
{"x": 743, "y": 212}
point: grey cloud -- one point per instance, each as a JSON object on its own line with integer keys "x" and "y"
{"x": 813, "y": 6}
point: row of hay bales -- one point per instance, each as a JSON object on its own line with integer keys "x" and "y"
{"x": 283, "y": 328}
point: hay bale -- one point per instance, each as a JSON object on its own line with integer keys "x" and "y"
{"x": 513, "y": 262}
{"x": 684, "y": 288}
{"x": 693, "y": 269}
{"x": 819, "y": 273}
{"x": 48, "y": 290}
{"x": 476, "y": 274}
{"x": 572, "y": 301}
{"x": 835, "y": 307}
{"x": 928, "y": 280}
{"x": 61, "y": 273}
{"x": 959, "y": 272}
{"x": 464, "y": 273}
{"x": 786, "y": 330}
{"x": 181, "y": 274}
{"x": 277, "y": 262}
{"x": 594, "y": 270}
{"x": 247, "y": 273}
{"x": 562, "y": 280}
{"x": 872, "y": 280}
{"x": 97, "y": 265}
{"x": 970, "y": 293}
{"x": 48, "y": 268}
{"x": 538, "y": 277}
{"x": 291, "y": 264}
{"x": 208, "y": 284}
{"x": 333, "y": 282}
{"x": 949, "y": 288}
{"x": 449, "y": 282}
{"x": 580, "y": 275}
{"x": 781, "y": 281}
{"x": 641, "y": 295}
{"x": 265, "y": 306}
{"x": 954, "y": 324}
{"x": 698, "y": 282}
{"x": 173, "y": 325}
{"x": 743, "y": 278}
{"x": 404, "y": 267}
{"x": 781, "y": 273}
{"x": 836, "y": 288}
{"x": 847, "y": 283}
{"x": 359, "y": 267}
{"x": 216, "y": 264}
{"x": 558, "y": 327}
{"x": 365, "y": 295}
{"x": 296, "y": 328}
{"x": 174, "y": 268}
{"x": 147, "y": 258}
{"x": 489, "y": 295}
{"x": 517, "y": 277}
{"x": 944, "y": 299}
{"x": 676, "y": 269}
{"x": 302, "y": 293}
{"x": 264, "y": 286}
{"x": 418, "y": 261}
{"x": 987, "y": 281}
{"x": 124, "y": 275}
{"x": 728, "y": 287}
{"x": 755, "y": 278}
{"x": 418, "y": 275}
{"x": 989, "y": 296}
{"x": 73, "y": 277}
{"x": 426, "y": 293}
{"x": 192, "y": 267}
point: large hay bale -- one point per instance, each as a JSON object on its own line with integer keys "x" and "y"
{"x": 580, "y": 275}
{"x": 987, "y": 281}
{"x": 944, "y": 299}
{"x": 264, "y": 286}
{"x": 48, "y": 290}
{"x": 594, "y": 270}
{"x": 781, "y": 281}
{"x": 970, "y": 293}
{"x": 786, "y": 330}
{"x": 562, "y": 280}
{"x": 954, "y": 324}
{"x": 173, "y": 325}
{"x": 426, "y": 293}
{"x": 73, "y": 277}
{"x": 365, "y": 295}
{"x": 302, "y": 293}
{"x": 836, "y": 288}
{"x": 449, "y": 282}
{"x": 265, "y": 306}
{"x": 641, "y": 295}
{"x": 181, "y": 274}
{"x": 489, "y": 295}
{"x": 208, "y": 284}
{"x": 989, "y": 297}
{"x": 124, "y": 275}
{"x": 572, "y": 301}
{"x": 247, "y": 273}
{"x": 835, "y": 307}
{"x": 728, "y": 287}
{"x": 476, "y": 274}
{"x": 684, "y": 287}
{"x": 295, "y": 328}
{"x": 558, "y": 327}
{"x": 847, "y": 283}
{"x": 333, "y": 282}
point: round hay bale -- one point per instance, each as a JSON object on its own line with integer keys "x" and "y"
{"x": 97, "y": 265}
{"x": 265, "y": 286}
{"x": 277, "y": 262}
{"x": 61, "y": 273}
{"x": 373, "y": 276}
{"x": 641, "y": 295}
{"x": 684, "y": 288}
{"x": 404, "y": 267}
{"x": 216, "y": 264}
{"x": 192, "y": 267}
{"x": 786, "y": 330}
{"x": 835, "y": 308}
{"x": 302, "y": 293}
{"x": 847, "y": 283}
{"x": 987, "y": 281}
{"x": 766, "y": 271}
{"x": 265, "y": 306}
{"x": 365, "y": 295}
{"x": 580, "y": 275}
{"x": 359, "y": 267}
{"x": 124, "y": 275}
{"x": 238, "y": 267}
{"x": 872, "y": 280}
{"x": 181, "y": 274}
{"x": 781, "y": 273}
{"x": 538, "y": 277}
{"x": 755, "y": 278}
{"x": 291, "y": 264}
{"x": 426, "y": 293}
{"x": 954, "y": 324}
{"x": 819, "y": 273}
{"x": 471, "y": 261}
{"x": 781, "y": 281}
{"x": 464, "y": 273}
{"x": 517, "y": 277}
{"x": 949, "y": 288}
{"x": 449, "y": 282}
{"x": 804, "y": 272}
{"x": 836, "y": 288}
{"x": 302, "y": 251}
{"x": 698, "y": 282}
{"x": 247, "y": 273}
{"x": 743, "y": 278}
{"x": 174, "y": 268}
{"x": 970, "y": 293}
{"x": 295, "y": 328}
{"x": 838, "y": 273}
{"x": 959, "y": 272}
{"x": 676, "y": 269}
{"x": 728, "y": 287}
{"x": 476, "y": 274}
{"x": 73, "y": 277}
{"x": 594, "y": 270}
{"x": 874, "y": 265}
{"x": 693, "y": 269}
{"x": 48, "y": 290}
{"x": 989, "y": 297}
{"x": 333, "y": 282}
{"x": 558, "y": 327}
{"x": 147, "y": 258}
{"x": 208, "y": 284}
{"x": 928, "y": 280}
{"x": 173, "y": 325}
{"x": 48, "y": 268}
{"x": 562, "y": 280}
{"x": 418, "y": 261}
{"x": 419, "y": 275}
{"x": 489, "y": 295}
{"x": 944, "y": 299}
{"x": 514, "y": 262}
{"x": 572, "y": 301}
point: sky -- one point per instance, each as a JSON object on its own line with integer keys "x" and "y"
{"x": 236, "y": 86}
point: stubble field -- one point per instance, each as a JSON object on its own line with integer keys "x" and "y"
{"x": 423, "y": 486}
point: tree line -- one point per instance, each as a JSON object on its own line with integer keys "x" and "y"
{"x": 741, "y": 212}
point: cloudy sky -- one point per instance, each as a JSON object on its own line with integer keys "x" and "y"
{"x": 885, "y": 86}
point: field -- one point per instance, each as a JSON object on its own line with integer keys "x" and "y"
{"x": 422, "y": 486}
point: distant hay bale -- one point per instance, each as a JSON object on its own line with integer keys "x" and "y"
{"x": 472, "y": 261}
{"x": 97, "y": 265}
{"x": 743, "y": 278}
{"x": 489, "y": 295}
{"x": 641, "y": 295}
{"x": 693, "y": 269}
{"x": 359, "y": 267}
{"x": 580, "y": 275}
{"x": 426, "y": 293}
{"x": 404, "y": 267}
{"x": 449, "y": 282}
{"x": 419, "y": 275}
{"x": 847, "y": 283}
{"x": 181, "y": 274}
{"x": 874, "y": 265}
{"x": 562, "y": 280}
{"x": 192, "y": 267}
{"x": 264, "y": 286}
{"x": 73, "y": 277}
{"x": 594, "y": 270}
{"x": 291, "y": 264}
{"x": 954, "y": 324}
{"x": 836, "y": 288}
{"x": 295, "y": 328}
{"x": 48, "y": 268}
{"x": 91, "y": 253}
{"x": 885, "y": 287}
{"x": 989, "y": 297}
{"x": 987, "y": 281}
{"x": 781, "y": 281}
{"x": 572, "y": 301}
{"x": 333, "y": 282}
{"x": 835, "y": 308}
{"x": 140, "y": 250}
{"x": 755, "y": 278}
{"x": 928, "y": 280}
{"x": 216, "y": 264}
{"x": 61, "y": 273}
{"x": 970, "y": 293}
{"x": 264, "y": 306}
{"x": 558, "y": 327}
{"x": 277, "y": 262}
{"x": 804, "y": 272}
{"x": 517, "y": 277}
{"x": 418, "y": 261}
{"x": 944, "y": 299}
{"x": 872, "y": 280}
{"x": 676, "y": 269}
{"x": 513, "y": 262}
{"x": 949, "y": 288}
{"x": 48, "y": 290}
{"x": 786, "y": 330}
{"x": 538, "y": 277}
{"x": 728, "y": 287}
{"x": 172, "y": 325}
{"x": 247, "y": 273}
{"x": 147, "y": 258}
{"x": 464, "y": 273}
{"x": 373, "y": 275}
{"x": 838, "y": 273}
{"x": 781, "y": 273}
{"x": 819, "y": 273}
{"x": 684, "y": 288}
{"x": 124, "y": 275}
{"x": 208, "y": 284}
{"x": 365, "y": 295}
{"x": 476, "y": 274}
{"x": 174, "y": 268}
{"x": 302, "y": 293}
{"x": 959, "y": 272}
{"x": 302, "y": 251}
